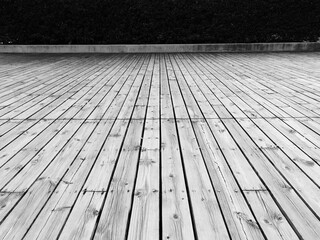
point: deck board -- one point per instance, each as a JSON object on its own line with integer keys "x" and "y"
{"x": 160, "y": 146}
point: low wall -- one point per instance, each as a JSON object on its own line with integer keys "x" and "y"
{"x": 162, "y": 48}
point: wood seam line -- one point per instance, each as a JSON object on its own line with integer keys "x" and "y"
{"x": 254, "y": 190}
{"x": 93, "y": 119}
{"x": 93, "y": 191}
{"x": 7, "y": 192}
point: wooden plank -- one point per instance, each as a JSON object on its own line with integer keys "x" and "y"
{"x": 254, "y": 99}
{"x": 265, "y": 85}
{"x": 83, "y": 217}
{"x": 204, "y": 204}
{"x": 130, "y": 84}
{"x": 165, "y": 95}
{"x": 145, "y": 213}
{"x": 188, "y": 98}
{"x": 15, "y": 161}
{"x": 83, "y": 96}
{"x": 13, "y": 227}
{"x": 298, "y": 157}
{"x": 16, "y": 146}
{"x": 299, "y": 140}
{"x": 297, "y": 212}
{"x": 240, "y": 221}
{"x": 62, "y": 178}
{"x": 51, "y": 86}
{"x": 270, "y": 218}
{"x": 177, "y": 99}
{"x": 212, "y": 82}
{"x": 49, "y": 103}
{"x": 7, "y": 201}
{"x": 286, "y": 74}
{"x": 17, "y": 64}
{"x": 100, "y": 175}
{"x": 60, "y": 86}
{"x": 223, "y": 92}
{"x": 100, "y": 99}
{"x": 25, "y": 81}
{"x": 44, "y": 157}
{"x": 304, "y": 186}
{"x": 311, "y": 124}
{"x": 113, "y": 100}
{"x": 153, "y": 111}
{"x": 176, "y": 216}
{"x": 20, "y": 130}
{"x": 111, "y": 148}
{"x": 8, "y": 125}
{"x": 204, "y": 85}
{"x": 193, "y": 81}
{"x": 18, "y": 222}
{"x": 223, "y": 81}
{"x": 59, "y": 69}
{"x": 114, "y": 216}
{"x": 74, "y": 175}
{"x": 56, "y": 211}
{"x": 129, "y": 104}
{"x": 144, "y": 221}
{"x": 243, "y": 171}
{"x": 305, "y": 110}
{"x": 143, "y": 98}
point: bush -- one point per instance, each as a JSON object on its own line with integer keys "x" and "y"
{"x": 158, "y": 21}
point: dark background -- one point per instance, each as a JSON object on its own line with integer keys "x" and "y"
{"x": 157, "y": 21}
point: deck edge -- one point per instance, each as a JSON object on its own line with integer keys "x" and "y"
{"x": 163, "y": 48}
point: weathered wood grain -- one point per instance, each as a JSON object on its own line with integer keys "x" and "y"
{"x": 160, "y": 146}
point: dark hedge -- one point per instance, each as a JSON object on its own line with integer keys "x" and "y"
{"x": 157, "y": 21}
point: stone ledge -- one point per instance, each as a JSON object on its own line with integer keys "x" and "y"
{"x": 163, "y": 48}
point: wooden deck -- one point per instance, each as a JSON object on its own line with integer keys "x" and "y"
{"x": 160, "y": 146}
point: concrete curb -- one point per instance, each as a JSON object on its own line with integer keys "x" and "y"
{"x": 162, "y": 48}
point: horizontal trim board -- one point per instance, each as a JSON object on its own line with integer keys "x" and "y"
{"x": 162, "y": 48}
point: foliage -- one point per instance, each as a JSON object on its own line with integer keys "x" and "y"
{"x": 157, "y": 21}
